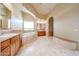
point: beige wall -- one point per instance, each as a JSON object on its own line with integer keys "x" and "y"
{"x": 66, "y": 22}
{"x": 16, "y": 18}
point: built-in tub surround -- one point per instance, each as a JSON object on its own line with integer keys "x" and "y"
{"x": 5, "y": 31}
{"x": 28, "y": 37}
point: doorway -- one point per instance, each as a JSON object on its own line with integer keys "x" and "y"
{"x": 0, "y": 23}
{"x": 50, "y": 27}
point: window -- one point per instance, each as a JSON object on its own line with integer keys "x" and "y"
{"x": 8, "y": 23}
{"x": 28, "y": 25}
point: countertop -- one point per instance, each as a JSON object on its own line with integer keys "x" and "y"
{"x": 6, "y": 36}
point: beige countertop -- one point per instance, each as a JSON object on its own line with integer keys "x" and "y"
{"x": 6, "y": 36}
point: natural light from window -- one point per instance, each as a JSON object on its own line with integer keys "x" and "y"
{"x": 8, "y": 24}
{"x": 28, "y": 25}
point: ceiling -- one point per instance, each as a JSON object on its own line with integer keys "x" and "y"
{"x": 41, "y": 10}
{"x": 1, "y": 6}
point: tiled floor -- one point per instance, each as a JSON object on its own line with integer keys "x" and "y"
{"x": 49, "y": 46}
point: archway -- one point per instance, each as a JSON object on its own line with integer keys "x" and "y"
{"x": 50, "y": 27}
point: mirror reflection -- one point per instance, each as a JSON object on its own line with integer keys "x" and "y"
{"x": 5, "y": 16}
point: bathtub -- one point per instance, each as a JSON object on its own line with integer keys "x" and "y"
{"x": 28, "y": 37}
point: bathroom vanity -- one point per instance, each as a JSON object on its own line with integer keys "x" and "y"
{"x": 41, "y": 33}
{"x": 10, "y": 44}
{"x": 41, "y": 29}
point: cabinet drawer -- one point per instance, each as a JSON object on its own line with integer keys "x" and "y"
{"x": 5, "y": 44}
{"x": 6, "y": 51}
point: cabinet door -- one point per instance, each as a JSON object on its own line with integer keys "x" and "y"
{"x": 13, "y": 50}
{"x": 5, "y": 44}
{"x": 15, "y": 45}
{"x": 6, "y": 51}
{"x": 41, "y": 33}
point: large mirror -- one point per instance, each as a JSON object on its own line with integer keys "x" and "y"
{"x": 5, "y": 16}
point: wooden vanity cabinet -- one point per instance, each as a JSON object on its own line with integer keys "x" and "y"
{"x": 11, "y": 46}
{"x": 5, "y": 44}
{"x": 15, "y": 45}
{"x": 6, "y": 51}
{"x": 5, "y": 48}
{"x": 41, "y": 33}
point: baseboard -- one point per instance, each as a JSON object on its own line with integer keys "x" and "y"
{"x": 68, "y": 40}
